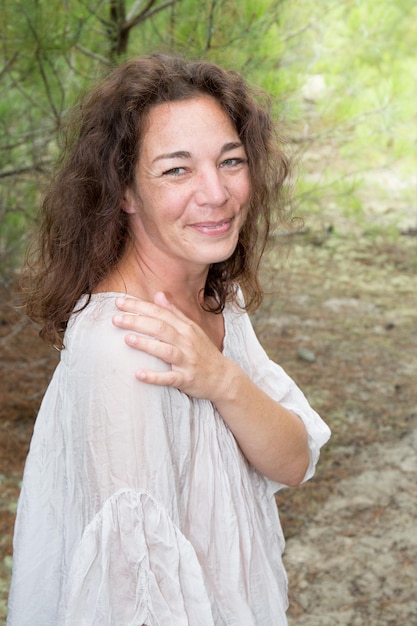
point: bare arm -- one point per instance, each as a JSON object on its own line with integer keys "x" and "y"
{"x": 273, "y": 439}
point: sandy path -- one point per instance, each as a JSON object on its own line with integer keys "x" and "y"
{"x": 356, "y": 562}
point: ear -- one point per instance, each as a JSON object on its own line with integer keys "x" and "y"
{"x": 129, "y": 202}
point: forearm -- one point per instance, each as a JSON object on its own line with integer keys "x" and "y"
{"x": 273, "y": 439}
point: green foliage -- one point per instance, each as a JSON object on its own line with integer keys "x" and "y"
{"x": 364, "y": 122}
{"x": 363, "y": 52}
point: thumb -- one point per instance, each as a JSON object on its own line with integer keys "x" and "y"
{"x": 161, "y": 300}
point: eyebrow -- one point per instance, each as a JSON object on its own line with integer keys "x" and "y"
{"x": 183, "y": 154}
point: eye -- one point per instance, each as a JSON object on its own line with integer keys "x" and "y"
{"x": 233, "y": 162}
{"x": 174, "y": 171}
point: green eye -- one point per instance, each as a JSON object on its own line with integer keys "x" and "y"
{"x": 232, "y": 162}
{"x": 174, "y": 171}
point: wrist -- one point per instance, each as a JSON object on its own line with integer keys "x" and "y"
{"x": 228, "y": 384}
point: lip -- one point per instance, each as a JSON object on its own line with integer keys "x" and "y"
{"x": 213, "y": 229}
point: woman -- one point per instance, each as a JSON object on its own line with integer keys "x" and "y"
{"x": 150, "y": 500}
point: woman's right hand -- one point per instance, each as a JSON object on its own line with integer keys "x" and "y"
{"x": 273, "y": 439}
{"x": 197, "y": 366}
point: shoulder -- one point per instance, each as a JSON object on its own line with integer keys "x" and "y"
{"x": 92, "y": 340}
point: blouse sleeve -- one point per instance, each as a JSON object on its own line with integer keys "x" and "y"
{"x": 272, "y": 379}
{"x": 133, "y": 567}
{"x": 130, "y": 564}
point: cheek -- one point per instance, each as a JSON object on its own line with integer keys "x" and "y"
{"x": 168, "y": 203}
{"x": 246, "y": 190}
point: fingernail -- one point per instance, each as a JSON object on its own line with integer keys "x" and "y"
{"x": 131, "y": 340}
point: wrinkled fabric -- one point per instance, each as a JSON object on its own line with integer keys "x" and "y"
{"x": 137, "y": 505}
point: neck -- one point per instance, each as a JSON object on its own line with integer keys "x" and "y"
{"x": 184, "y": 287}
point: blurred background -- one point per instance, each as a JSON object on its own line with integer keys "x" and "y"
{"x": 341, "y": 314}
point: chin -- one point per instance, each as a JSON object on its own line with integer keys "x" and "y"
{"x": 223, "y": 253}
{"x": 220, "y": 258}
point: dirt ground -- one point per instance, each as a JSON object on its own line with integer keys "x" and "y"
{"x": 343, "y": 323}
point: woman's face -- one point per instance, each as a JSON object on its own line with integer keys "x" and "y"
{"x": 192, "y": 185}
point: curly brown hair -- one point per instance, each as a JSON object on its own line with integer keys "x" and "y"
{"x": 84, "y": 230}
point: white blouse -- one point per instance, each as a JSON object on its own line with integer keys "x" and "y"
{"x": 137, "y": 505}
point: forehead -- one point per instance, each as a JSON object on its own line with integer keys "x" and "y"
{"x": 201, "y": 116}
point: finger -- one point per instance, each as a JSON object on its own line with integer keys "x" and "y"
{"x": 148, "y": 326}
{"x": 164, "y": 310}
{"x": 161, "y": 300}
{"x": 138, "y": 307}
{"x": 164, "y": 351}
{"x": 127, "y": 304}
{"x": 163, "y": 379}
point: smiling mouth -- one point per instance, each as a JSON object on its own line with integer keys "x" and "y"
{"x": 213, "y": 227}
{"x": 216, "y": 225}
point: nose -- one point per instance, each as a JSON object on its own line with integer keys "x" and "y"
{"x": 211, "y": 188}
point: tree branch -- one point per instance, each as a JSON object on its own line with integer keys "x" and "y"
{"x": 148, "y": 12}
{"x": 44, "y": 77}
{"x": 120, "y": 26}
{"x": 92, "y": 55}
{"x": 210, "y": 28}
{"x": 9, "y": 63}
{"x": 36, "y": 167}
{"x": 133, "y": 10}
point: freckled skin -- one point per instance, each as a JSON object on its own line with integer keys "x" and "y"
{"x": 192, "y": 186}
{"x": 189, "y": 202}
